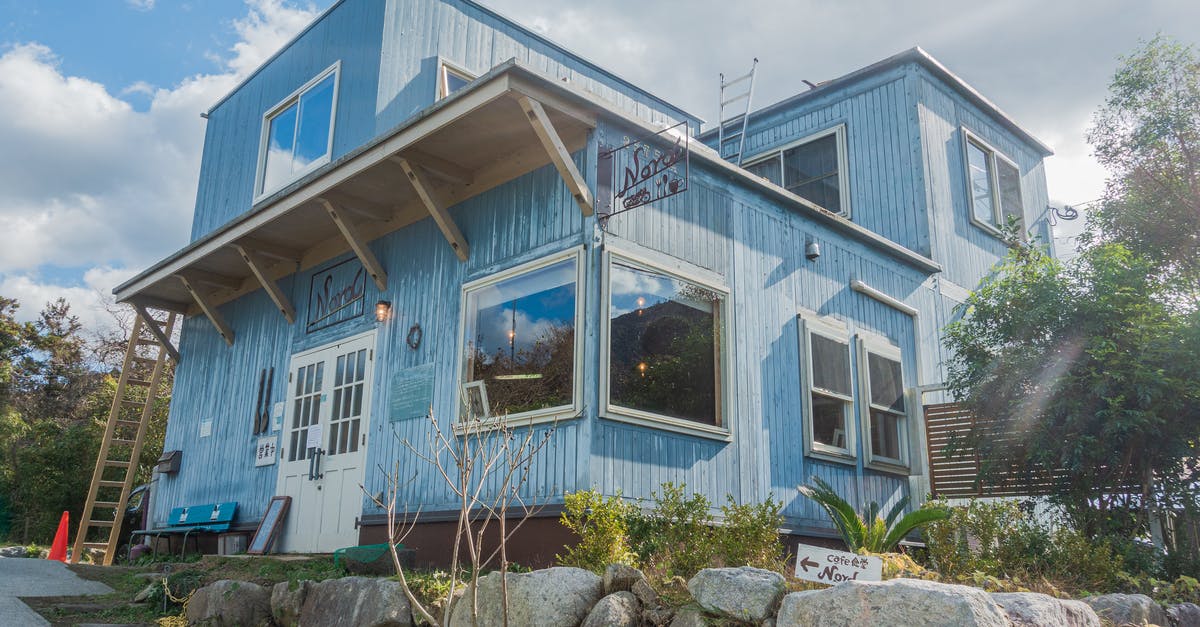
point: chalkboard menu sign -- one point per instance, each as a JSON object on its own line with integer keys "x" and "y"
{"x": 269, "y": 527}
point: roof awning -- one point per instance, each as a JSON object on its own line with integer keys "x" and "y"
{"x": 501, "y": 126}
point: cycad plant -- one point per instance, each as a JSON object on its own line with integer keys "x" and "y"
{"x": 869, "y": 531}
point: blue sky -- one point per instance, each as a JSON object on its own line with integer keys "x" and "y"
{"x": 102, "y": 97}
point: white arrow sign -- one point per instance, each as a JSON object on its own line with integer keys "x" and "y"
{"x": 814, "y": 563}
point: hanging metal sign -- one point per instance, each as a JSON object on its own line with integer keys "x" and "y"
{"x": 648, "y": 169}
{"x": 336, "y": 294}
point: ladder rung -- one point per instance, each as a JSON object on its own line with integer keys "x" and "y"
{"x": 145, "y": 360}
{"x": 100, "y": 523}
{"x": 147, "y": 342}
{"x": 732, "y": 135}
{"x": 95, "y": 545}
{"x": 122, "y": 441}
{"x": 126, "y": 401}
{"x": 116, "y": 463}
{"x": 737, "y": 80}
{"x": 128, "y": 423}
{"x": 133, "y": 381}
{"x": 105, "y": 483}
{"x": 735, "y": 99}
{"x": 108, "y": 504}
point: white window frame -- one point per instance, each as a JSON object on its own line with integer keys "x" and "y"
{"x": 260, "y": 189}
{"x": 836, "y": 331}
{"x": 443, "y": 83}
{"x": 993, "y": 155}
{"x": 537, "y": 416}
{"x": 867, "y": 344}
{"x": 842, "y": 160}
{"x": 647, "y": 260}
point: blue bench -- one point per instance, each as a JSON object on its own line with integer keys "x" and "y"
{"x": 194, "y": 519}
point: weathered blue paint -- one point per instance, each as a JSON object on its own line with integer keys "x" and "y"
{"x": 389, "y": 52}
{"x": 906, "y": 182}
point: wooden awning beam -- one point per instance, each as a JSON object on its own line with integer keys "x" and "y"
{"x": 558, "y": 154}
{"x": 209, "y": 310}
{"x": 437, "y": 166}
{"x": 213, "y": 279}
{"x": 364, "y": 208}
{"x": 258, "y": 268}
{"x": 357, "y": 243}
{"x": 271, "y": 249}
{"x": 157, "y": 332}
{"x": 440, "y": 215}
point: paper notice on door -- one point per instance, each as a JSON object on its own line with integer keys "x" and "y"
{"x": 277, "y": 415}
{"x": 314, "y": 437}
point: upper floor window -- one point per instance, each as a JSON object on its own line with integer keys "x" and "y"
{"x": 451, "y": 79}
{"x": 665, "y": 349}
{"x": 521, "y": 351}
{"x": 994, "y": 184}
{"x": 298, "y": 133}
{"x": 813, "y": 168}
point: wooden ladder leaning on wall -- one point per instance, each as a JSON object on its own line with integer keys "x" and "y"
{"x": 128, "y": 420}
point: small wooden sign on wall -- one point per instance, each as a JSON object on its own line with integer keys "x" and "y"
{"x": 336, "y": 294}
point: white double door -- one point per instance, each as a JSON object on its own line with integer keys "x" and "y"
{"x": 324, "y": 445}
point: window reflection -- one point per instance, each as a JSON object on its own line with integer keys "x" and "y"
{"x": 664, "y": 339}
{"x": 521, "y": 339}
{"x": 298, "y": 135}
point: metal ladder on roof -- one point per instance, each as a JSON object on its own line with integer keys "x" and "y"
{"x": 731, "y": 130}
{"x": 138, "y": 388}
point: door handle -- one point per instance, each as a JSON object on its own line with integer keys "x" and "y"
{"x": 314, "y": 463}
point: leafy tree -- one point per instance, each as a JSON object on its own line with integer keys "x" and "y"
{"x": 1148, "y": 135}
{"x": 1089, "y": 377}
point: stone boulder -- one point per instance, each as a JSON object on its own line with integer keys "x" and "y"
{"x": 359, "y": 601}
{"x": 1029, "y": 609}
{"x": 558, "y": 596}
{"x": 619, "y": 577}
{"x": 230, "y": 603}
{"x": 1184, "y": 615}
{"x": 892, "y": 602}
{"x": 1121, "y": 609}
{"x": 619, "y": 609}
{"x": 287, "y": 599}
{"x": 689, "y": 616}
{"x": 745, "y": 593}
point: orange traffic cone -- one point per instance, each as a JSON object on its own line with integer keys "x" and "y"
{"x": 58, "y": 550}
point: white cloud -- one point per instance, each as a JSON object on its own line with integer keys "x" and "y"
{"x": 96, "y": 183}
{"x": 142, "y": 5}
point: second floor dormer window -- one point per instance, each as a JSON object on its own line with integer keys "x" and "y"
{"x": 994, "y": 184}
{"x": 812, "y": 168}
{"x": 298, "y": 133}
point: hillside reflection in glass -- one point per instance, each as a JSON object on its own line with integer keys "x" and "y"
{"x": 521, "y": 339}
{"x": 664, "y": 345}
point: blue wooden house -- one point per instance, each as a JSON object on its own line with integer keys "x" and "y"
{"x": 420, "y": 207}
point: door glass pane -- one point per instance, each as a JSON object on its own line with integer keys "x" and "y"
{"x": 521, "y": 340}
{"x": 979, "y": 171}
{"x": 664, "y": 347}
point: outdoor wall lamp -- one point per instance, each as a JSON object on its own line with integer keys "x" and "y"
{"x": 383, "y": 311}
{"x": 812, "y": 250}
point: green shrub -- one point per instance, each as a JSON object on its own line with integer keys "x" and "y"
{"x": 676, "y": 539}
{"x": 600, "y": 524}
{"x": 750, "y": 535}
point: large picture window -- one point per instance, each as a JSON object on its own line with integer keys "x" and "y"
{"x": 665, "y": 347}
{"x": 994, "y": 184}
{"x": 885, "y": 409}
{"x": 520, "y": 341}
{"x": 298, "y": 133}
{"x": 829, "y": 409}
{"x": 813, "y": 168}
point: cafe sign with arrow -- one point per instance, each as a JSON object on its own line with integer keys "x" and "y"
{"x": 814, "y": 563}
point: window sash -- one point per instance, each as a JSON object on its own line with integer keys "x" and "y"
{"x": 871, "y": 410}
{"x": 813, "y": 327}
{"x": 304, "y": 132}
{"x": 448, "y": 75}
{"x": 991, "y": 207}
{"x": 774, "y": 167}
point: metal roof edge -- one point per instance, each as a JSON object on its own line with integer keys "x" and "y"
{"x": 917, "y": 55}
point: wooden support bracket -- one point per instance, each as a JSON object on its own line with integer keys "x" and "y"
{"x": 157, "y": 332}
{"x": 258, "y": 267}
{"x": 558, "y": 153}
{"x": 357, "y": 243}
{"x": 437, "y": 166}
{"x": 439, "y": 213}
{"x": 209, "y": 310}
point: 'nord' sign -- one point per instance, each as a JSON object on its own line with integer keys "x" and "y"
{"x": 814, "y": 563}
{"x": 336, "y": 294}
{"x": 649, "y": 169}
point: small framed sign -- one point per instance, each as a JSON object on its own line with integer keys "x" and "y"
{"x": 269, "y": 527}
